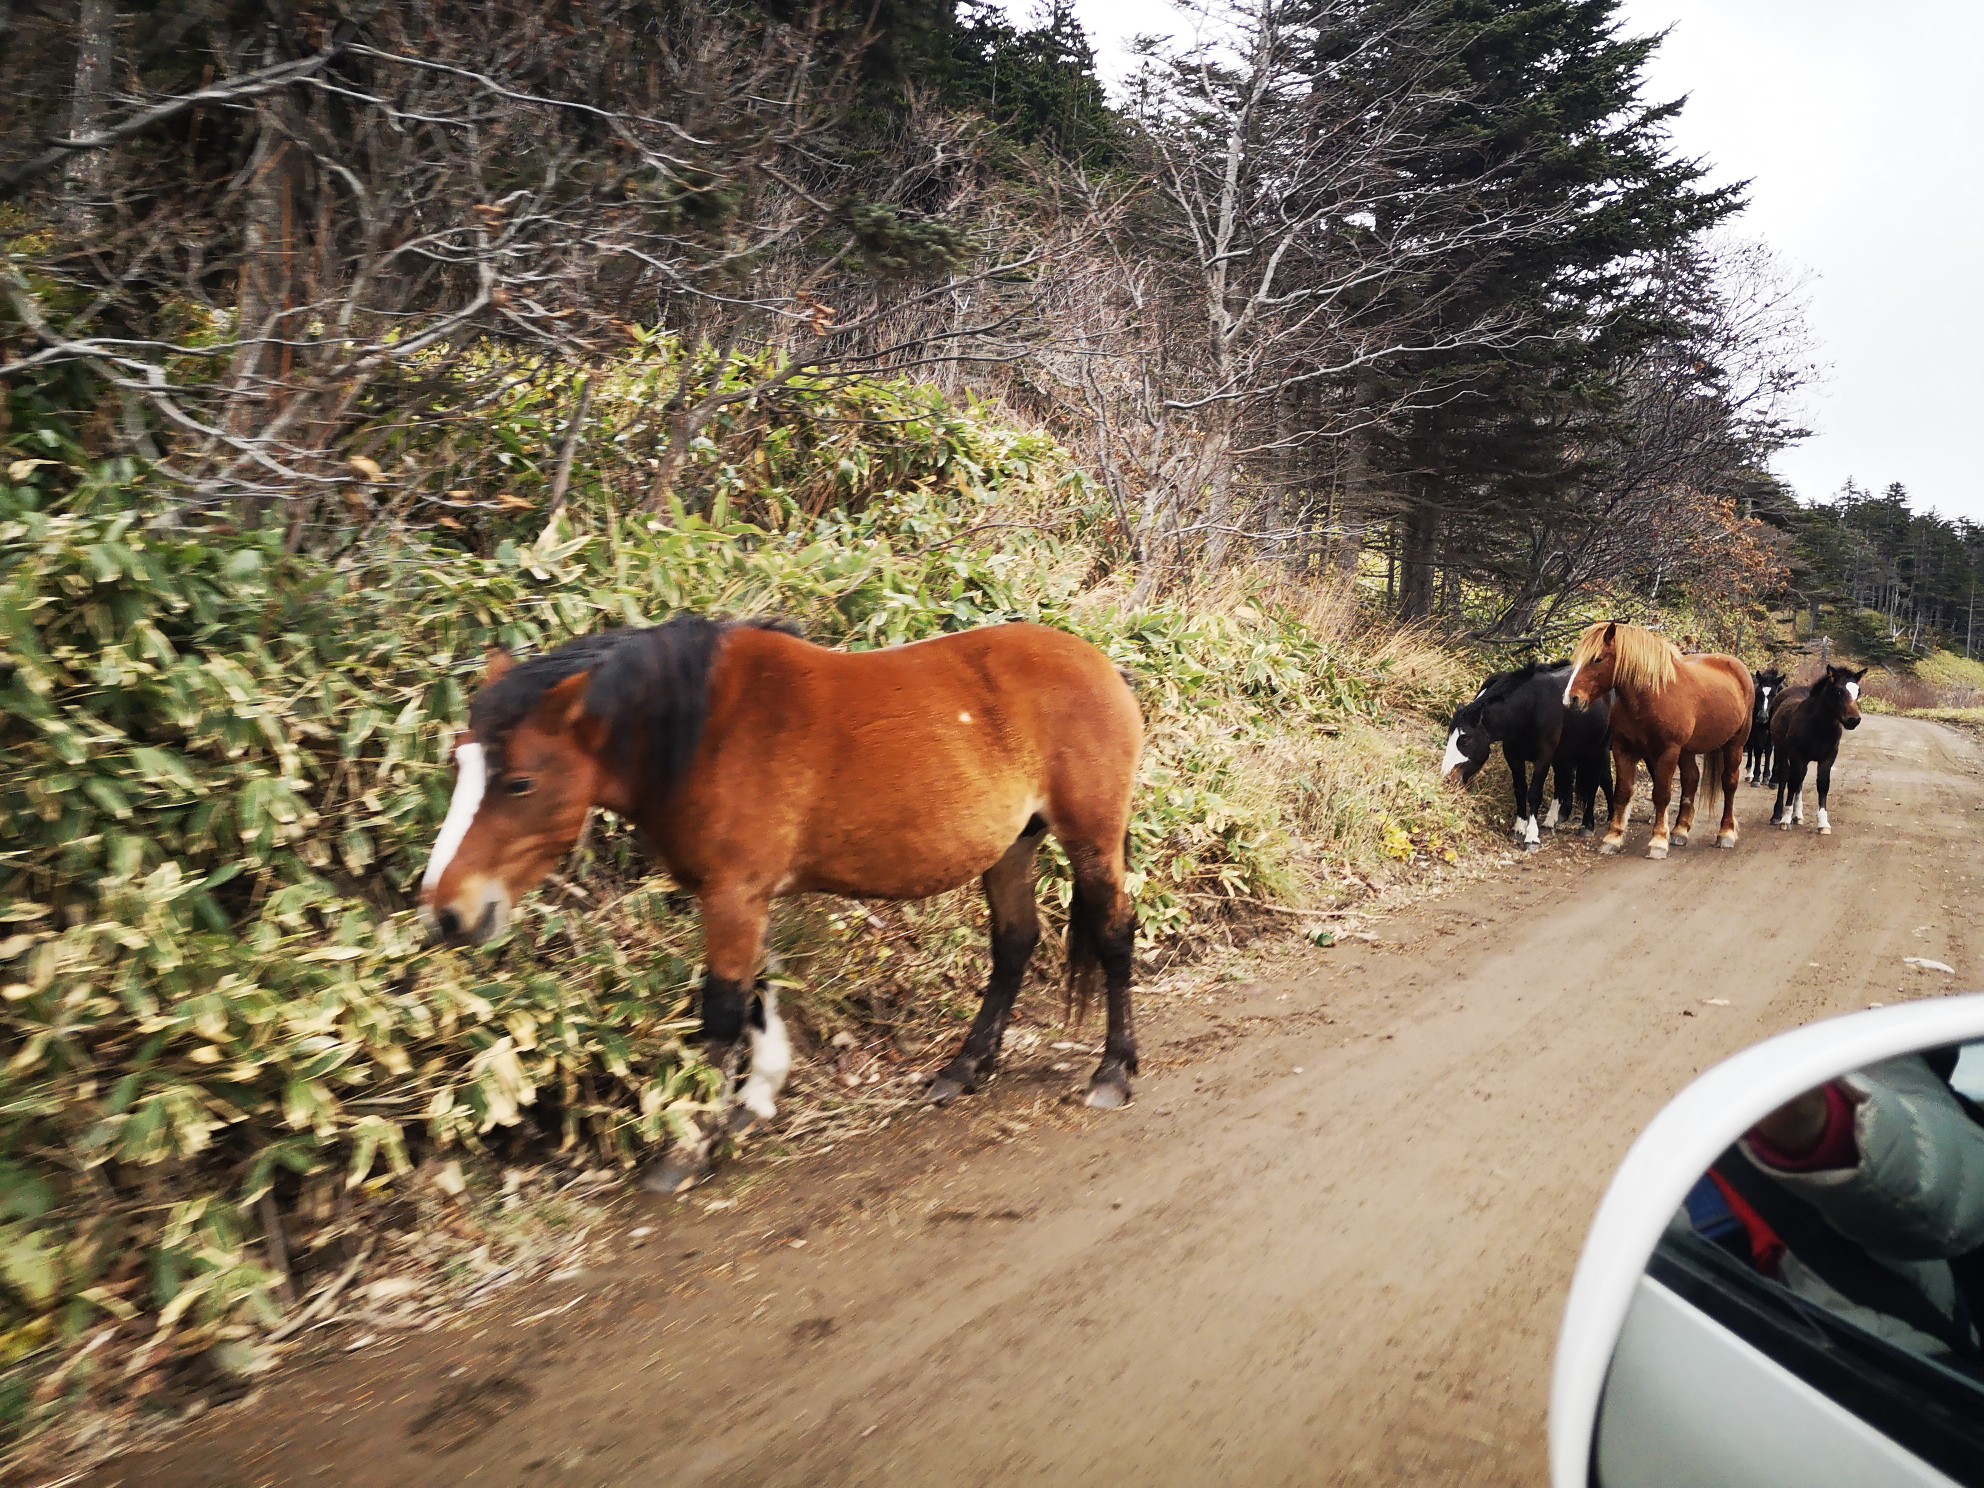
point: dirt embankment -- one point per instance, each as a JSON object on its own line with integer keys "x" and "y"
{"x": 1328, "y": 1244}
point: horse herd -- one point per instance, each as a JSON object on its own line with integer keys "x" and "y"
{"x": 757, "y": 765}
{"x": 1679, "y": 709}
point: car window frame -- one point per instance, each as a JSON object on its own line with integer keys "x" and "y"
{"x": 1926, "y": 1408}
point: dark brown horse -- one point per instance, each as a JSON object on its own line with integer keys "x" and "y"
{"x": 1806, "y": 731}
{"x": 1669, "y": 711}
{"x": 757, "y": 765}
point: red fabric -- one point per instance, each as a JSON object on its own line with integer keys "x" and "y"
{"x": 1836, "y": 1149}
{"x": 1765, "y": 1247}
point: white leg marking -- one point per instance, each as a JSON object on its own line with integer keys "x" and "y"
{"x": 771, "y": 1062}
{"x": 1530, "y": 834}
{"x": 470, "y": 779}
{"x": 1824, "y": 825}
{"x": 1550, "y": 818}
{"x": 1454, "y": 757}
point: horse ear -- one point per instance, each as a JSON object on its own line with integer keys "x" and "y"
{"x": 1859, "y": 674}
{"x": 496, "y": 664}
{"x": 1611, "y": 632}
{"x": 564, "y": 708}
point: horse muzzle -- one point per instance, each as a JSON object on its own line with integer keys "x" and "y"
{"x": 476, "y": 923}
{"x": 1853, "y": 722}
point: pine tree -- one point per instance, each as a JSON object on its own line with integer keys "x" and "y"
{"x": 1549, "y": 126}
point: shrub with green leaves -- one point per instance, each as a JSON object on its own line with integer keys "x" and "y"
{"x": 222, "y": 764}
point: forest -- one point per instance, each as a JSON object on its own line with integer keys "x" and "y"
{"x": 1909, "y": 577}
{"x": 1348, "y": 344}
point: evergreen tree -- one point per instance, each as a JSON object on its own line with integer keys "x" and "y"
{"x": 1548, "y": 126}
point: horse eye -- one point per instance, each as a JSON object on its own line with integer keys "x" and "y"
{"x": 520, "y": 785}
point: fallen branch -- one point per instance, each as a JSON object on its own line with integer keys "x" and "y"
{"x": 1327, "y": 914}
{"x": 321, "y": 1303}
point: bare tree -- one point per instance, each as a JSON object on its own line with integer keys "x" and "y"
{"x": 379, "y": 197}
{"x": 1236, "y": 304}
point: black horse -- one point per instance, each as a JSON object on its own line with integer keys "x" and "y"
{"x": 1809, "y": 724}
{"x": 1770, "y": 694}
{"x": 1524, "y": 712}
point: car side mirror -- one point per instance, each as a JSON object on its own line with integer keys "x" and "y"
{"x": 1784, "y": 1283}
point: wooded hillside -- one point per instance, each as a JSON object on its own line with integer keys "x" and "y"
{"x": 1413, "y": 283}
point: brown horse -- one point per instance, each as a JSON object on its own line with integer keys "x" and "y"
{"x": 1669, "y": 711}
{"x": 757, "y": 765}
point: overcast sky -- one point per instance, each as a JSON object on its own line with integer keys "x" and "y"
{"x": 1860, "y": 128}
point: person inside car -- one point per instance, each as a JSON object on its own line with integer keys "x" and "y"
{"x": 1866, "y": 1197}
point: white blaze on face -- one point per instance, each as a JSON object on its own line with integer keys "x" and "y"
{"x": 1853, "y": 691}
{"x": 471, "y": 778}
{"x": 1454, "y": 757}
{"x": 1570, "y": 682}
{"x": 771, "y": 1062}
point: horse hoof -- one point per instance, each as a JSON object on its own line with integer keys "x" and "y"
{"x": 1726, "y": 842}
{"x": 673, "y": 1177}
{"x": 1608, "y": 847}
{"x": 1680, "y": 839}
{"x": 742, "y": 1120}
{"x": 1530, "y": 847}
{"x": 1657, "y": 851}
{"x": 947, "y": 1088}
{"x": 1825, "y": 831}
{"x": 1107, "y": 1095}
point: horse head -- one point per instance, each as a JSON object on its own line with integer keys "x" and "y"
{"x": 1468, "y": 739}
{"x": 524, "y": 785}
{"x": 1594, "y": 667}
{"x": 1616, "y": 657}
{"x": 1770, "y": 683}
{"x": 611, "y": 720}
{"x": 1838, "y": 692}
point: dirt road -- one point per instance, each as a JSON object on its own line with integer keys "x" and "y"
{"x": 1328, "y": 1244}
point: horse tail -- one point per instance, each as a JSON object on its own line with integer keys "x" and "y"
{"x": 1712, "y": 766}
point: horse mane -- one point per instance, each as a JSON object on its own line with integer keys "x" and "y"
{"x": 1645, "y": 661}
{"x": 1499, "y": 683}
{"x": 650, "y": 686}
{"x": 1503, "y": 681}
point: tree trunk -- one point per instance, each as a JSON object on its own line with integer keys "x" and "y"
{"x": 1359, "y": 483}
{"x": 269, "y": 293}
{"x": 1219, "y": 503}
{"x": 82, "y": 184}
{"x": 1418, "y": 551}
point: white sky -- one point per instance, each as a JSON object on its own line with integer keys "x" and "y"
{"x": 1861, "y": 130}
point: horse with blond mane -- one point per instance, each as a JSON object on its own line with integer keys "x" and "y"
{"x": 1669, "y": 710}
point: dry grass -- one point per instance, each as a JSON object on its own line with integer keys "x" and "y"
{"x": 1941, "y": 682}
